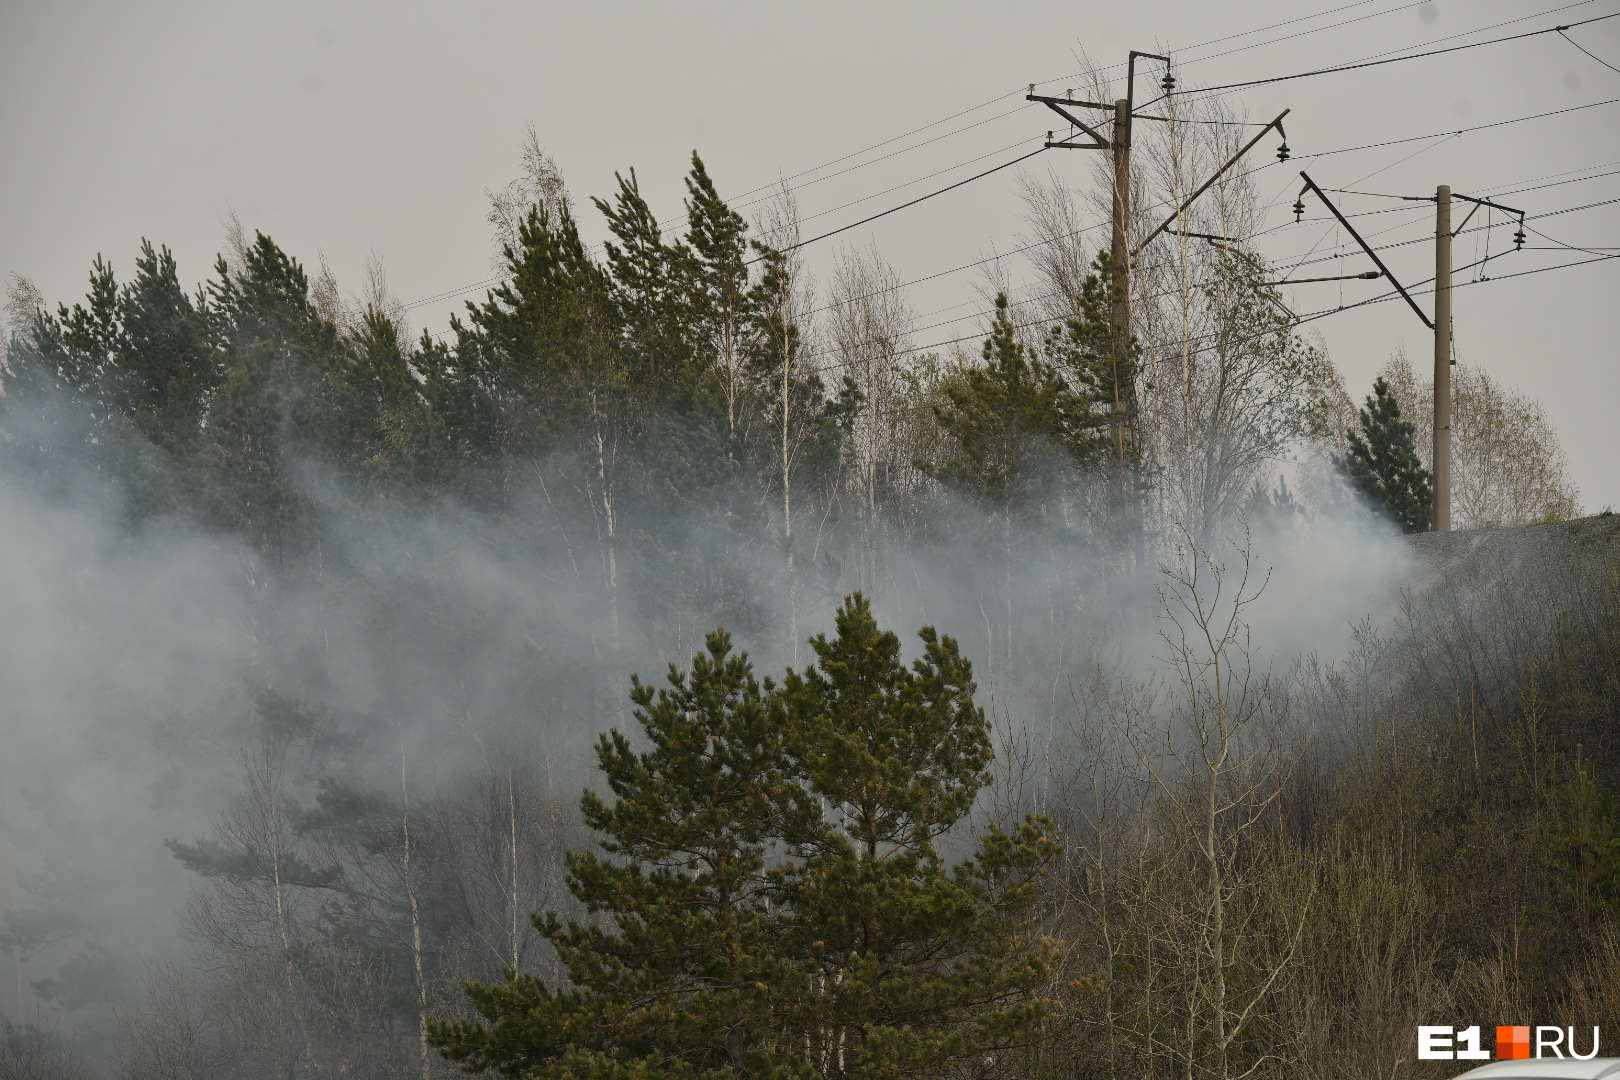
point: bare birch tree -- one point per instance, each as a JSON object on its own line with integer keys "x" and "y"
{"x": 1507, "y": 466}
{"x": 868, "y": 321}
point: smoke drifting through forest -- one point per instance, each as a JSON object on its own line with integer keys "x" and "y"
{"x": 311, "y": 629}
{"x": 448, "y": 643}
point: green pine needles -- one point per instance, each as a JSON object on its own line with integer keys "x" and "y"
{"x": 770, "y": 896}
{"x": 1382, "y": 463}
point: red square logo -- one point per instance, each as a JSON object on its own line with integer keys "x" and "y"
{"x": 1513, "y": 1042}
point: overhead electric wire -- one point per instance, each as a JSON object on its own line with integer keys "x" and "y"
{"x": 1500, "y": 189}
{"x": 1096, "y": 225}
{"x": 1414, "y": 290}
{"x": 915, "y": 180}
{"x": 910, "y": 203}
{"x": 1476, "y": 228}
{"x": 1076, "y": 76}
{"x": 782, "y": 180}
{"x": 1593, "y": 250}
{"x": 452, "y": 293}
{"x": 1421, "y": 44}
{"x": 1267, "y": 165}
{"x": 903, "y": 150}
{"x": 1437, "y": 135}
{"x": 1297, "y": 321}
{"x": 1360, "y": 65}
{"x": 1503, "y": 188}
{"x": 1593, "y": 55}
{"x": 1305, "y": 33}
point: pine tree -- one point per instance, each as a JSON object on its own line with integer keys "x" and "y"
{"x": 685, "y": 980}
{"x": 776, "y": 904}
{"x": 1382, "y": 463}
{"x": 276, "y": 352}
{"x": 168, "y": 367}
{"x": 915, "y": 967}
{"x": 1016, "y": 422}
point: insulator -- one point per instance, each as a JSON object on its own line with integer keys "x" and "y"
{"x": 1168, "y": 82}
{"x": 1048, "y": 136}
{"x": 1518, "y": 239}
{"x": 1282, "y": 152}
{"x": 1299, "y": 209}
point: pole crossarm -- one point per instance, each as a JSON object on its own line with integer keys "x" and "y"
{"x": 1056, "y": 104}
{"x": 1207, "y": 184}
{"x": 1493, "y": 205}
{"x": 1311, "y": 184}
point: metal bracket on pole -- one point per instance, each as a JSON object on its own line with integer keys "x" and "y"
{"x": 1311, "y": 184}
{"x": 1518, "y": 238}
{"x": 1277, "y": 123}
{"x": 1130, "y": 75}
{"x": 1100, "y": 141}
{"x": 1365, "y": 275}
{"x": 1056, "y": 105}
{"x": 1226, "y": 243}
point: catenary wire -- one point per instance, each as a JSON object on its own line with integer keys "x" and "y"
{"x": 781, "y": 181}
{"x": 1588, "y": 52}
{"x": 1371, "y": 63}
{"x": 981, "y": 262}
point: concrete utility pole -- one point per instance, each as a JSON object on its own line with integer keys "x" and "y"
{"x": 1440, "y": 515}
{"x": 1442, "y": 359}
{"x": 1118, "y": 141}
{"x": 1119, "y": 257}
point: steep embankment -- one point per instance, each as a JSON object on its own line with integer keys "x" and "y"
{"x": 1565, "y": 552}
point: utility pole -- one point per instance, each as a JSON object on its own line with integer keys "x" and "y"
{"x": 1441, "y": 518}
{"x": 1118, "y": 142}
{"x": 1119, "y": 263}
{"x": 1440, "y": 513}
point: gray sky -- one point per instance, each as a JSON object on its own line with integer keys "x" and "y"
{"x": 360, "y": 128}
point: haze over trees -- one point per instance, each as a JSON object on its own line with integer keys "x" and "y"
{"x": 346, "y": 612}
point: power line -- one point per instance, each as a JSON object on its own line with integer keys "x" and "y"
{"x": 1466, "y": 130}
{"x": 1396, "y": 59}
{"x": 905, "y": 205}
{"x": 1501, "y": 188}
{"x": 1478, "y": 228}
{"x": 1029, "y": 247}
{"x": 1306, "y": 33}
{"x": 903, "y": 150}
{"x": 783, "y": 181}
{"x": 1296, "y": 322}
{"x": 1593, "y": 55}
{"x": 1438, "y": 40}
{"x": 1593, "y": 250}
{"x": 915, "y": 180}
{"x": 460, "y": 290}
{"x": 1250, "y": 172}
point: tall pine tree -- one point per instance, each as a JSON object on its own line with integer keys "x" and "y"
{"x": 1382, "y": 463}
{"x": 916, "y": 967}
{"x": 685, "y": 980}
{"x": 776, "y": 904}
{"x": 1016, "y": 422}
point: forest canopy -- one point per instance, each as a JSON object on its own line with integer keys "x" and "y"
{"x": 326, "y": 624}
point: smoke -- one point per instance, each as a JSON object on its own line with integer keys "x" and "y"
{"x": 134, "y": 655}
